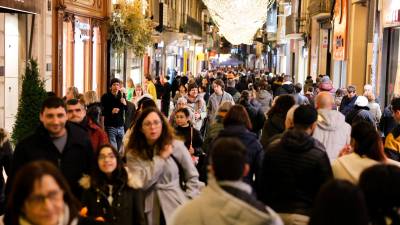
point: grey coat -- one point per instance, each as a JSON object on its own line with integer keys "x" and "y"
{"x": 215, "y": 101}
{"x": 160, "y": 180}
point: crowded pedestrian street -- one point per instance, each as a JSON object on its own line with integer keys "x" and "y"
{"x": 199, "y": 112}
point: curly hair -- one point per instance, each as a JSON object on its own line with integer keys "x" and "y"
{"x": 137, "y": 144}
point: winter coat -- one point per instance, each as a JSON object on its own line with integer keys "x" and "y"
{"x": 187, "y": 137}
{"x": 256, "y": 116}
{"x": 392, "y": 144}
{"x": 199, "y": 106}
{"x": 375, "y": 110}
{"x": 387, "y": 122}
{"x": 234, "y": 93}
{"x": 160, "y": 178}
{"x": 274, "y": 125}
{"x": 347, "y": 104}
{"x": 332, "y": 131}
{"x": 129, "y": 114}
{"x": 98, "y": 136}
{"x": 215, "y": 206}
{"x": 74, "y": 161}
{"x": 293, "y": 172}
{"x": 359, "y": 114}
{"x": 253, "y": 146}
{"x": 285, "y": 89}
{"x": 5, "y": 163}
{"x": 265, "y": 99}
{"x": 214, "y": 102}
{"x": 349, "y": 167}
{"x": 127, "y": 206}
{"x": 108, "y": 102}
{"x": 301, "y": 99}
{"x": 151, "y": 89}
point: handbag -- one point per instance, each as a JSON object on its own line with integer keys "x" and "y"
{"x": 182, "y": 180}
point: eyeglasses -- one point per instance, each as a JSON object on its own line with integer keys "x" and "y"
{"x": 52, "y": 196}
{"x": 104, "y": 157}
{"x": 148, "y": 124}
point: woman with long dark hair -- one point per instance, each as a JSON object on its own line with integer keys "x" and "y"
{"x": 276, "y": 116}
{"x": 366, "y": 150}
{"x": 237, "y": 124}
{"x": 111, "y": 194}
{"x": 163, "y": 164}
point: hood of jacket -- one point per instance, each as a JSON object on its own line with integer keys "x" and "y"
{"x": 133, "y": 182}
{"x": 289, "y": 88}
{"x": 264, "y": 94}
{"x": 233, "y": 210}
{"x": 352, "y": 165}
{"x": 330, "y": 119}
{"x": 297, "y": 141}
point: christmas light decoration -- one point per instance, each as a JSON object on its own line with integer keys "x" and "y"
{"x": 238, "y": 20}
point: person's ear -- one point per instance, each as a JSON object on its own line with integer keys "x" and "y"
{"x": 246, "y": 169}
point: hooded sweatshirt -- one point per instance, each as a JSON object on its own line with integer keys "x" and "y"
{"x": 332, "y": 131}
{"x": 222, "y": 208}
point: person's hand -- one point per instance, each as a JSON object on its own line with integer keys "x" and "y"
{"x": 123, "y": 101}
{"x": 196, "y": 115}
{"x": 191, "y": 150}
{"x": 115, "y": 110}
{"x": 166, "y": 151}
{"x": 347, "y": 149}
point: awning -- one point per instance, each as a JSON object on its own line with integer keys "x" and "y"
{"x": 20, "y": 6}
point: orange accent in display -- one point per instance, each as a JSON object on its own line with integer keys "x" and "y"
{"x": 340, "y": 30}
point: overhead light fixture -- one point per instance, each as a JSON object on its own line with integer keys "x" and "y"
{"x": 239, "y": 20}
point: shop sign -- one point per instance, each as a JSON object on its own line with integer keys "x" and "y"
{"x": 340, "y": 30}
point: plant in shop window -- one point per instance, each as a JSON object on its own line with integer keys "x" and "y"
{"x": 129, "y": 29}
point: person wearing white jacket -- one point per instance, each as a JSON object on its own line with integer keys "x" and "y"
{"x": 331, "y": 130}
{"x": 366, "y": 150}
{"x": 227, "y": 200}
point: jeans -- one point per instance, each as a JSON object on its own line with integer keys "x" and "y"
{"x": 115, "y": 135}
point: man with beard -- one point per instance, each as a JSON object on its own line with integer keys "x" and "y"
{"x": 58, "y": 141}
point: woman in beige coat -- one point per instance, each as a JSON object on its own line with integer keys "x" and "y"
{"x": 366, "y": 150}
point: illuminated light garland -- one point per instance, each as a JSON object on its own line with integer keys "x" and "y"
{"x": 238, "y": 20}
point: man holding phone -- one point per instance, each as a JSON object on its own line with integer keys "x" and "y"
{"x": 114, "y": 106}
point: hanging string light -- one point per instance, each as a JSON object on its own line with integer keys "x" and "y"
{"x": 238, "y": 20}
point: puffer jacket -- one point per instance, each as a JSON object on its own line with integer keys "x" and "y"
{"x": 392, "y": 144}
{"x": 332, "y": 131}
{"x": 293, "y": 172}
{"x": 127, "y": 206}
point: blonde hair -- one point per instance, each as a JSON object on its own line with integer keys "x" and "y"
{"x": 90, "y": 97}
{"x": 370, "y": 96}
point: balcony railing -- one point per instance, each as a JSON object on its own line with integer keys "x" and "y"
{"x": 193, "y": 26}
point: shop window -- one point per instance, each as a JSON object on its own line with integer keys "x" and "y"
{"x": 393, "y": 75}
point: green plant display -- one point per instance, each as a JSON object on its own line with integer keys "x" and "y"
{"x": 32, "y": 95}
{"x": 129, "y": 29}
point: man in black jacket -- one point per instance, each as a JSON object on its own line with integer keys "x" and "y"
{"x": 63, "y": 143}
{"x": 294, "y": 169}
{"x": 114, "y": 107}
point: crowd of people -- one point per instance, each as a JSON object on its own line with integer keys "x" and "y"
{"x": 229, "y": 146}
